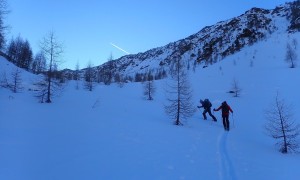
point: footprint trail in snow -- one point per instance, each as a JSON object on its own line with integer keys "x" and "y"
{"x": 226, "y": 168}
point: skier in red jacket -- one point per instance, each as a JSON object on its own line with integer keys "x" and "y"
{"x": 225, "y": 114}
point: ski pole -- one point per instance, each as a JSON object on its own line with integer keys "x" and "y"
{"x": 232, "y": 119}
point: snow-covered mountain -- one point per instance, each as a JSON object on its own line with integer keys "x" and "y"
{"x": 212, "y": 43}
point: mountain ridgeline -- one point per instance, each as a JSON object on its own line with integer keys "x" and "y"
{"x": 208, "y": 46}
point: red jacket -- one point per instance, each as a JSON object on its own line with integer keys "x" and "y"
{"x": 225, "y": 109}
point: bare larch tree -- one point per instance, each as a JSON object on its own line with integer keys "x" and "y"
{"x": 76, "y": 76}
{"x": 89, "y": 77}
{"x": 236, "y": 88}
{"x": 281, "y": 126}
{"x": 3, "y": 28}
{"x": 52, "y": 49}
{"x": 16, "y": 85}
{"x": 179, "y": 94}
{"x": 149, "y": 88}
{"x": 291, "y": 56}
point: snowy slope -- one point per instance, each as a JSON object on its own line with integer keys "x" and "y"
{"x": 7, "y": 70}
{"x": 114, "y": 133}
{"x": 260, "y": 84}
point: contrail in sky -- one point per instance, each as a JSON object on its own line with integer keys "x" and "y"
{"x": 119, "y": 48}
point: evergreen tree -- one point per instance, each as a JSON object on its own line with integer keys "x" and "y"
{"x": 19, "y": 52}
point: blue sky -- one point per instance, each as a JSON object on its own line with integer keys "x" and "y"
{"x": 88, "y": 29}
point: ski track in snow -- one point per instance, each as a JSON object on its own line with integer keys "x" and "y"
{"x": 226, "y": 168}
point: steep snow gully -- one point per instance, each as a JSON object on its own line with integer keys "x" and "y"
{"x": 226, "y": 168}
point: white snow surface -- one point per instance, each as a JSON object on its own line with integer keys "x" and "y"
{"x": 114, "y": 133}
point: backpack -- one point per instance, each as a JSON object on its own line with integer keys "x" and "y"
{"x": 207, "y": 103}
{"x": 225, "y": 109}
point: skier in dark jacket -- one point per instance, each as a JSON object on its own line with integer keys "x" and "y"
{"x": 225, "y": 114}
{"x": 206, "y": 104}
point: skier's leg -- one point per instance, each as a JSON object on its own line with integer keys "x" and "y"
{"x": 224, "y": 121}
{"x": 209, "y": 112}
{"x": 204, "y": 114}
{"x": 227, "y": 122}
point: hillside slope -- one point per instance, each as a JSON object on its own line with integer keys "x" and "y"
{"x": 114, "y": 133}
